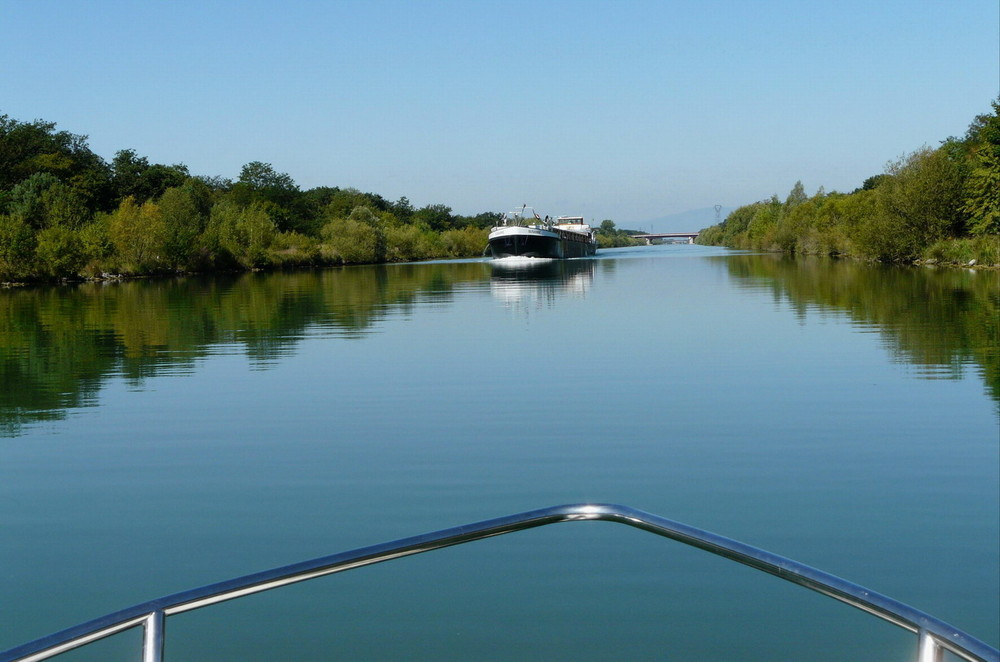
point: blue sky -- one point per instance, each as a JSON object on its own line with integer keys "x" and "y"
{"x": 623, "y": 110}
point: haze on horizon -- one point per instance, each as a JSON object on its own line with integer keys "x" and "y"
{"x": 623, "y": 110}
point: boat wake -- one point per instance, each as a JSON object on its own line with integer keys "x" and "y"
{"x": 520, "y": 261}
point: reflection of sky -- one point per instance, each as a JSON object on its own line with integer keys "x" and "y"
{"x": 667, "y": 386}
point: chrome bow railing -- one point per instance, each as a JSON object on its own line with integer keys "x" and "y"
{"x": 935, "y": 636}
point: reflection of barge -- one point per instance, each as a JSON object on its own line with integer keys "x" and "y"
{"x": 566, "y": 236}
{"x": 523, "y": 283}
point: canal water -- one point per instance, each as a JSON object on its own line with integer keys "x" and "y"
{"x": 162, "y": 435}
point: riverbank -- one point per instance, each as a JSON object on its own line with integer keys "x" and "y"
{"x": 937, "y": 206}
{"x": 961, "y": 253}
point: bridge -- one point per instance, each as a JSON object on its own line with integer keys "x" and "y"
{"x": 652, "y": 237}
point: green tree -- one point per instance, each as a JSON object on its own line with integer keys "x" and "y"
{"x": 60, "y": 253}
{"x": 408, "y": 242}
{"x": 764, "y": 224}
{"x": 982, "y": 187}
{"x": 341, "y": 203}
{"x": 262, "y": 177}
{"x": 436, "y": 217}
{"x": 65, "y": 207}
{"x": 27, "y": 148}
{"x": 17, "y": 248}
{"x": 138, "y": 234}
{"x": 42, "y": 200}
{"x": 26, "y": 200}
{"x": 311, "y": 205}
{"x": 920, "y": 204}
{"x": 134, "y": 176}
{"x": 985, "y": 128}
{"x": 485, "y": 220}
{"x": 735, "y": 226}
{"x": 358, "y": 239}
{"x": 873, "y": 182}
{"x": 464, "y": 242}
{"x": 796, "y": 196}
{"x": 982, "y": 194}
{"x": 182, "y": 223}
{"x": 246, "y": 233}
{"x": 127, "y": 169}
{"x": 95, "y": 241}
{"x": 402, "y": 209}
{"x": 279, "y": 194}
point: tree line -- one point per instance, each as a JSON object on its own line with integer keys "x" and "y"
{"x": 936, "y": 205}
{"x": 609, "y": 236}
{"x": 65, "y": 212}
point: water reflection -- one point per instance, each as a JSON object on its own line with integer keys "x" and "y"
{"x": 59, "y": 345}
{"x": 942, "y": 322}
{"x": 523, "y": 284}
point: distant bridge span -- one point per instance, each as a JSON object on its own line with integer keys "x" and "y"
{"x": 653, "y": 236}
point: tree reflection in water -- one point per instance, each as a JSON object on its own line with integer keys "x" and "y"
{"x": 58, "y": 345}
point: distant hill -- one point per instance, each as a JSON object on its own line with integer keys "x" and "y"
{"x": 685, "y": 221}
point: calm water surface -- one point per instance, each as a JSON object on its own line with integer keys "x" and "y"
{"x": 158, "y": 436}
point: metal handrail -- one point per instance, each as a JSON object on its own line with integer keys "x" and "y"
{"x": 935, "y": 636}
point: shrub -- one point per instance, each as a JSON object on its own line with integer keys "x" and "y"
{"x": 245, "y": 233}
{"x": 293, "y": 248}
{"x": 983, "y": 194}
{"x": 17, "y": 248}
{"x": 182, "y": 223}
{"x": 405, "y": 243}
{"x": 358, "y": 239}
{"x": 137, "y": 233}
{"x": 985, "y": 250}
{"x": 919, "y": 205}
{"x": 467, "y": 242}
{"x": 60, "y": 253}
{"x": 350, "y": 242}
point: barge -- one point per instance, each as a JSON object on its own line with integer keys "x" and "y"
{"x": 523, "y": 233}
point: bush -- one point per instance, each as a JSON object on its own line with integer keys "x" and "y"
{"x": 17, "y": 248}
{"x": 984, "y": 250}
{"x": 97, "y": 248}
{"x": 349, "y": 242}
{"x": 60, "y": 253}
{"x": 293, "y": 248}
{"x": 245, "y": 233}
{"x": 358, "y": 239}
{"x": 762, "y": 231}
{"x": 408, "y": 242}
{"x": 987, "y": 249}
{"x": 917, "y": 206}
{"x": 182, "y": 223}
{"x": 983, "y": 193}
{"x": 137, "y": 232}
{"x": 467, "y": 242}
{"x": 710, "y": 236}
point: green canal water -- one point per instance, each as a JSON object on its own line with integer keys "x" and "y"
{"x": 157, "y": 436}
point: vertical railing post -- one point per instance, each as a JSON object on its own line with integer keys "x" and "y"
{"x": 928, "y": 650}
{"x": 152, "y": 637}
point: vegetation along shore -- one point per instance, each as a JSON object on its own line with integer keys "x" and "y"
{"x": 66, "y": 213}
{"x": 936, "y": 206}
